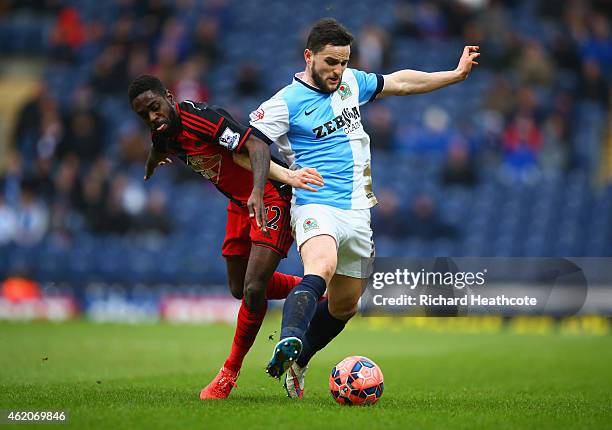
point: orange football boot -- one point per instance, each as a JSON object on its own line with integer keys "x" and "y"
{"x": 221, "y": 386}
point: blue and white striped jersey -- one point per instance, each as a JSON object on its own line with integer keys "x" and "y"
{"x": 324, "y": 131}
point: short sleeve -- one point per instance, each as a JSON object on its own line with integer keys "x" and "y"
{"x": 271, "y": 120}
{"x": 370, "y": 84}
{"x": 214, "y": 125}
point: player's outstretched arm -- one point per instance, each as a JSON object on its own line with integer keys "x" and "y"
{"x": 259, "y": 155}
{"x": 155, "y": 159}
{"x": 406, "y": 82}
{"x": 302, "y": 178}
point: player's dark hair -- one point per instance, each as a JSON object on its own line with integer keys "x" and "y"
{"x": 145, "y": 83}
{"x": 327, "y": 31}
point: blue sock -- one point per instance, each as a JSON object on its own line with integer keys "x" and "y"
{"x": 322, "y": 329}
{"x": 301, "y": 305}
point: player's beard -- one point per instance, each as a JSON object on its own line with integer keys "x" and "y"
{"x": 320, "y": 82}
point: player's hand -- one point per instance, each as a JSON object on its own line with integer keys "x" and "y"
{"x": 152, "y": 164}
{"x": 304, "y": 176}
{"x": 468, "y": 60}
{"x": 257, "y": 209}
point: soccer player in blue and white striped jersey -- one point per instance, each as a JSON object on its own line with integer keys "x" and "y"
{"x": 316, "y": 122}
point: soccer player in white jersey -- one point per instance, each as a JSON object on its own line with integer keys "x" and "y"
{"x": 316, "y": 122}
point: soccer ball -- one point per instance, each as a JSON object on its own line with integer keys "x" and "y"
{"x": 356, "y": 381}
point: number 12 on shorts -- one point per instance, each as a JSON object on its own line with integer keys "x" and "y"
{"x": 276, "y": 214}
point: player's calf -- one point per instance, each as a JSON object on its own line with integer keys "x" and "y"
{"x": 343, "y": 294}
{"x": 301, "y": 305}
{"x": 322, "y": 329}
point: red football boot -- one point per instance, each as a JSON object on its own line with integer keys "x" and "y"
{"x": 221, "y": 386}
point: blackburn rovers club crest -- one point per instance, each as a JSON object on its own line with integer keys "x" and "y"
{"x": 310, "y": 224}
{"x": 344, "y": 90}
{"x": 209, "y": 167}
{"x": 257, "y": 115}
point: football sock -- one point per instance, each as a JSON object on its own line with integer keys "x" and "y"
{"x": 322, "y": 329}
{"x": 280, "y": 285}
{"x": 301, "y": 305}
{"x": 247, "y": 327}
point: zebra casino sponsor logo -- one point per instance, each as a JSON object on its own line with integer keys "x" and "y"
{"x": 349, "y": 120}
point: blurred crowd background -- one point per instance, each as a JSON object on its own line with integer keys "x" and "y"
{"x": 516, "y": 161}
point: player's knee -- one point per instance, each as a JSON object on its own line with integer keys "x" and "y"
{"x": 325, "y": 268}
{"x": 254, "y": 291}
{"x": 254, "y": 302}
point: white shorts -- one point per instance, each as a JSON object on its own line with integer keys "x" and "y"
{"x": 349, "y": 227}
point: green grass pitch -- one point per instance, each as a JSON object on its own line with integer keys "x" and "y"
{"x": 149, "y": 376}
